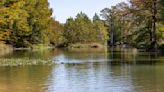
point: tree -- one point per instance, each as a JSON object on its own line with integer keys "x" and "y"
{"x": 14, "y": 22}
{"x": 150, "y": 9}
{"x": 24, "y": 22}
{"x": 39, "y": 20}
{"x": 100, "y": 31}
{"x": 137, "y": 22}
{"x": 83, "y": 30}
{"x": 116, "y": 20}
{"x": 56, "y": 34}
{"x": 96, "y": 17}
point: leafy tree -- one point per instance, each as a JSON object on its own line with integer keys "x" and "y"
{"x": 116, "y": 20}
{"x": 136, "y": 23}
{"x": 39, "y": 20}
{"x": 14, "y": 23}
{"x": 25, "y": 22}
{"x": 100, "y": 30}
{"x": 96, "y": 17}
{"x": 56, "y": 34}
{"x": 83, "y": 30}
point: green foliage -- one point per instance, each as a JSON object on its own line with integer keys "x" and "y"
{"x": 117, "y": 23}
{"x": 133, "y": 23}
{"x": 100, "y": 31}
{"x": 56, "y": 33}
{"x": 83, "y": 30}
{"x": 39, "y": 20}
{"x": 96, "y": 17}
{"x": 14, "y": 22}
{"x": 24, "y": 22}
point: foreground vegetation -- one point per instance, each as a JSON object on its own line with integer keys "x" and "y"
{"x": 23, "y": 62}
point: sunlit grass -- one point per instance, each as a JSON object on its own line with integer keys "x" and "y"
{"x": 91, "y": 45}
{"x": 23, "y": 62}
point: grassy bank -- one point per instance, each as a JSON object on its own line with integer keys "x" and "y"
{"x": 34, "y": 47}
{"x": 40, "y": 47}
{"x": 23, "y": 62}
{"x": 89, "y": 45}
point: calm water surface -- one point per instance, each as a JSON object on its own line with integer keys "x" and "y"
{"x": 85, "y": 70}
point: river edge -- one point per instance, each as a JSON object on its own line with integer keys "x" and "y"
{"x": 7, "y": 49}
{"x": 27, "y": 61}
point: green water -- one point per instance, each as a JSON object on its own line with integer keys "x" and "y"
{"x": 85, "y": 70}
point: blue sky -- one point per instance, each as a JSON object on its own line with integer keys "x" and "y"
{"x": 64, "y": 9}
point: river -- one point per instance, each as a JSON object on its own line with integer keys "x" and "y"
{"x": 85, "y": 70}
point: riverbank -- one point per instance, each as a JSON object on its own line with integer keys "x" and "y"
{"x": 8, "y": 49}
{"x": 34, "y": 47}
{"x": 86, "y": 45}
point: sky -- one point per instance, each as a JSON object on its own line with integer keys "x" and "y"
{"x": 63, "y": 9}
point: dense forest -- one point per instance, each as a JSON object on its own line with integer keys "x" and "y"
{"x": 25, "y": 22}
{"x": 138, "y": 23}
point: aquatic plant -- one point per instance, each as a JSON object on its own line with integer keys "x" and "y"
{"x": 23, "y": 62}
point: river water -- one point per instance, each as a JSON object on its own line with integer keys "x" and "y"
{"x": 85, "y": 70}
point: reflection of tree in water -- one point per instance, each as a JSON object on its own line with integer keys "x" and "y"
{"x": 24, "y": 78}
{"x": 33, "y": 54}
{"x": 85, "y": 54}
{"x": 147, "y": 73}
{"x": 94, "y": 75}
{"x": 121, "y": 55}
{"x": 148, "y": 78}
{"x": 132, "y": 56}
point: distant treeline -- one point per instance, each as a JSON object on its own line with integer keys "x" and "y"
{"x": 138, "y": 23}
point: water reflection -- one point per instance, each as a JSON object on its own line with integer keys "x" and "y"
{"x": 91, "y": 78}
{"x": 90, "y": 70}
{"x": 83, "y": 56}
{"x": 24, "y": 79}
{"x": 33, "y": 54}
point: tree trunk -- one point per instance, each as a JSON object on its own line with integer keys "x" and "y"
{"x": 111, "y": 31}
{"x": 154, "y": 36}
